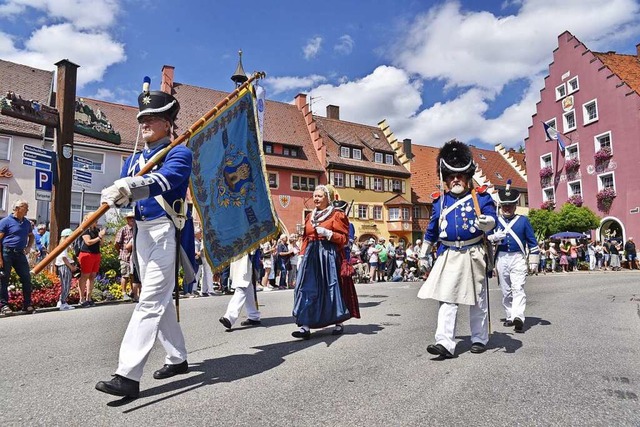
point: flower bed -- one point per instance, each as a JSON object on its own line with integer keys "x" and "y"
{"x": 546, "y": 172}
{"x": 602, "y": 155}
{"x": 576, "y": 200}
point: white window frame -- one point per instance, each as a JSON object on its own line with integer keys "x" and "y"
{"x": 80, "y": 152}
{"x": 378, "y": 157}
{"x": 4, "y": 193}
{"x": 545, "y": 197}
{"x": 551, "y": 123}
{"x": 357, "y": 178}
{"x": 561, "y": 92}
{"x": 376, "y": 183}
{"x": 602, "y": 176}
{"x": 308, "y": 184}
{"x": 9, "y": 141}
{"x": 405, "y": 213}
{"x": 397, "y": 189}
{"x": 377, "y": 213}
{"x": 394, "y": 214}
{"x": 357, "y": 153}
{"x": 268, "y": 148}
{"x": 543, "y": 163}
{"x": 585, "y": 113}
{"x": 596, "y": 141}
{"x": 569, "y": 89}
{"x": 362, "y": 211}
{"x": 338, "y": 179}
{"x": 87, "y": 208}
{"x": 568, "y": 151}
{"x": 277, "y": 179}
{"x": 565, "y": 122}
{"x": 570, "y": 191}
{"x": 345, "y": 152}
{"x": 388, "y": 159}
{"x": 417, "y": 211}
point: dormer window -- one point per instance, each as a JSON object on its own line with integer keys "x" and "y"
{"x": 377, "y": 157}
{"x": 345, "y": 152}
{"x": 483, "y": 157}
{"x": 388, "y": 159}
{"x": 357, "y": 153}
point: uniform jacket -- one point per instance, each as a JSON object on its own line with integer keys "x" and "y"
{"x": 519, "y": 236}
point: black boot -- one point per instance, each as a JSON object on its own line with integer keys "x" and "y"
{"x": 168, "y": 371}
{"x": 120, "y": 386}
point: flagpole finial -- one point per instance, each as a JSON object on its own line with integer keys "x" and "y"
{"x": 239, "y": 76}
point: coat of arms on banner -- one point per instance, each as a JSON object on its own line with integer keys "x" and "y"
{"x": 284, "y": 200}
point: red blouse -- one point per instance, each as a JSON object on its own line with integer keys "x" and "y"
{"x": 337, "y": 222}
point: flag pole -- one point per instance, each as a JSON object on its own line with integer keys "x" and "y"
{"x": 104, "y": 208}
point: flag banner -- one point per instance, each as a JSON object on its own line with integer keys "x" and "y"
{"x": 228, "y": 183}
{"x": 553, "y": 134}
{"x": 260, "y": 95}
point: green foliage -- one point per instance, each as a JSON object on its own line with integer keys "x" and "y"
{"x": 579, "y": 219}
{"x": 109, "y": 260}
{"x": 544, "y": 222}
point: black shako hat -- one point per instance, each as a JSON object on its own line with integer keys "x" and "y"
{"x": 508, "y": 196}
{"x": 157, "y": 103}
{"x": 340, "y": 205}
{"x": 455, "y": 157}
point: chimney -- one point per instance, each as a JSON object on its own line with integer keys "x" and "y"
{"x": 333, "y": 112}
{"x": 406, "y": 147}
{"x": 167, "y": 79}
{"x": 301, "y": 100}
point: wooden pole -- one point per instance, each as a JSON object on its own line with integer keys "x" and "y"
{"x": 104, "y": 208}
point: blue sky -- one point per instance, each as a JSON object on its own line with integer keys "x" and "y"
{"x": 435, "y": 70}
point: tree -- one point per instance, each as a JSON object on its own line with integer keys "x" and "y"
{"x": 544, "y": 222}
{"x": 579, "y": 219}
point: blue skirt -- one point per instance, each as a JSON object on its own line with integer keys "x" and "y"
{"x": 317, "y": 296}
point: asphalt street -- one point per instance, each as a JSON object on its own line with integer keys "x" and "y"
{"x": 577, "y": 364}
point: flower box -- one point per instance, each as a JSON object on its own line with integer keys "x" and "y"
{"x": 603, "y": 154}
{"x": 549, "y": 205}
{"x": 605, "y": 199}
{"x": 546, "y": 172}
{"x": 576, "y": 200}
{"x": 572, "y": 164}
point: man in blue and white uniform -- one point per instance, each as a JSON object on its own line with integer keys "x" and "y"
{"x": 160, "y": 196}
{"x": 513, "y": 237}
{"x": 459, "y": 274}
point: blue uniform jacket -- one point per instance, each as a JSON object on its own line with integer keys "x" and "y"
{"x": 170, "y": 179}
{"x": 519, "y": 237}
{"x": 458, "y": 223}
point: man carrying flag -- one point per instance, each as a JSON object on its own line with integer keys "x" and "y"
{"x": 553, "y": 134}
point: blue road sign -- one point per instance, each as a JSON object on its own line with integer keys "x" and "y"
{"x": 36, "y": 157}
{"x": 44, "y": 180}
{"x": 83, "y": 161}
{"x": 38, "y": 150}
{"x": 82, "y": 172}
{"x": 35, "y": 164}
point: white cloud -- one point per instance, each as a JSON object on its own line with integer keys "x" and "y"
{"x": 83, "y": 14}
{"x": 345, "y": 45}
{"x": 278, "y": 85}
{"x": 481, "y": 53}
{"x": 385, "y": 93}
{"x": 312, "y": 48}
{"x": 117, "y": 96}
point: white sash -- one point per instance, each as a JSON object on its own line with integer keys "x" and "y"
{"x": 508, "y": 230}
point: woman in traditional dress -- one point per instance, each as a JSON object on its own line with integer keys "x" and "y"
{"x": 319, "y": 299}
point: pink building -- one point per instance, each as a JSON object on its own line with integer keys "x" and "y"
{"x": 593, "y": 101}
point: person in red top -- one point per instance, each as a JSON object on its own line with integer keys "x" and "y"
{"x": 318, "y": 297}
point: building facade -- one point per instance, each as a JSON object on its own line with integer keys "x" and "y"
{"x": 592, "y": 99}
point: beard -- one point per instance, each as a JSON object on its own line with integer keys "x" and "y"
{"x": 458, "y": 189}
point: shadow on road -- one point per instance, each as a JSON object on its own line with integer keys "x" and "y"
{"x": 238, "y": 366}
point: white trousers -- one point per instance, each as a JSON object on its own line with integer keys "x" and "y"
{"x": 205, "y": 277}
{"x": 447, "y": 314}
{"x": 154, "y": 315}
{"x": 240, "y": 275}
{"x": 512, "y": 273}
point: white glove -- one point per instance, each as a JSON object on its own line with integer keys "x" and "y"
{"x": 486, "y": 223}
{"x": 497, "y": 237}
{"x": 324, "y": 232}
{"x": 114, "y": 197}
{"x": 425, "y": 249}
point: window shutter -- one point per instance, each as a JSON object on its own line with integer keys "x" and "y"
{"x": 332, "y": 177}
{"x": 404, "y": 187}
{"x": 366, "y": 182}
{"x": 386, "y": 184}
{"x": 347, "y": 180}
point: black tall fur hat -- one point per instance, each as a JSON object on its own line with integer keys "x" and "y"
{"x": 455, "y": 157}
{"x": 157, "y": 103}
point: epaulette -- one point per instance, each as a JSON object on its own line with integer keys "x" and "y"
{"x": 435, "y": 195}
{"x": 482, "y": 189}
